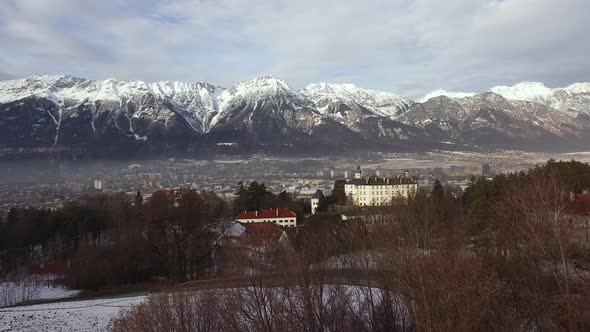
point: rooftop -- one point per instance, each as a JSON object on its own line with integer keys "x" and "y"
{"x": 268, "y": 213}
{"x": 379, "y": 181}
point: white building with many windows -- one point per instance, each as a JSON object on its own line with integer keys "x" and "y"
{"x": 376, "y": 191}
{"x": 281, "y": 217}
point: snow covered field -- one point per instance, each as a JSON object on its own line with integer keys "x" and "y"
{"x": 98, "y": 314}
{"x": 90, "y": 315}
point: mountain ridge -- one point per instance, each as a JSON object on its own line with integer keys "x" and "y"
{"x": 48, "y": 111}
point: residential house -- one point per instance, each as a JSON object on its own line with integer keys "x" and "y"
{"x": 280, "y": 217}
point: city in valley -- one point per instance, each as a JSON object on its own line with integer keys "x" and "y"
{"x": 294, "y": 166}
{"x": 50, "y": 184}
{"x": 112, "y": 245}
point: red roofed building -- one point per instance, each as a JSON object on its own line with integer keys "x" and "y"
{"x": 281, "y": 217}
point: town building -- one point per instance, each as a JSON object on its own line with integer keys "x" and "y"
{"x": 98, "y": 184}
{"x": 378, "y": 191}
{"x": 281, "y": 217}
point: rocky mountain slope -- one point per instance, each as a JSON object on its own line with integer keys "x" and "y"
{"x": 370, "y": 113}
{"x": 110, "y": 116}
{"x": 525, "y": 115}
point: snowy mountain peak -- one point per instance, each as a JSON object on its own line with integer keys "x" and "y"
{"x": 348, "y": 90}
{"x": 262, "y": 87}
{"x": 266, "y": 83}
{"x": 528, "y": 91}
{"x": 331, "y": 87}
{"x": 569, "y": 100}
{"x": 577, "y": 88}
{"x": 74, "y": 88}
{"x": 327, "y": 95}
{"x": 450, "y": 94}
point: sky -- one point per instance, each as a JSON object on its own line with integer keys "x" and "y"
{"x": 402, "y": 46}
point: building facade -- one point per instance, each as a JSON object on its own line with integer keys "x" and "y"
{"x": 315, "y": 202}
{"x": 378, "y": 191}
{"x": 281, "y": 217}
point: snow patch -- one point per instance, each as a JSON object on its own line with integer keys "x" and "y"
{"x": 91, "y": 315}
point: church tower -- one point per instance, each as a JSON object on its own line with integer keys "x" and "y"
{"x": 358, "y": 173}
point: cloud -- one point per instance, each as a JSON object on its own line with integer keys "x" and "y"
{"x": 408, "y": 47}
{"x": 5, "y": 76}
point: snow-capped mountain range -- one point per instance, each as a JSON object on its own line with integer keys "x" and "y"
{"x": 575, "y": 96}
{"x": 50, "y": 111}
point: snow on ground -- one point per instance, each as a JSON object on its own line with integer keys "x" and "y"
{"x": 98, "y": 315}
{"x": 58, "y": 292}
{"x": 90, "y": 315}
{"x": 23, "y": 291}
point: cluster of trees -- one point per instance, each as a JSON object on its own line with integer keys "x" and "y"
{"x": 338, "y": 196}
{"x": 501, "y": 211}
{"x": 106, "y": 240}
{"x": 517, "y": 229}
{"x": 394, "y": 288}
{"x": 109, "y": 240}
{"x": 255, "y": 196}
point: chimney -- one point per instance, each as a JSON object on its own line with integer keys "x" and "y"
{"x": 277, "y": 212}
{"x": 256, "y": 213}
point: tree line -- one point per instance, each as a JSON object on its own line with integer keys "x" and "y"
{"x": 106, "y": 240}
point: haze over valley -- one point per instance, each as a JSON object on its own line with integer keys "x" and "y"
{"x": 294, "y": 166}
